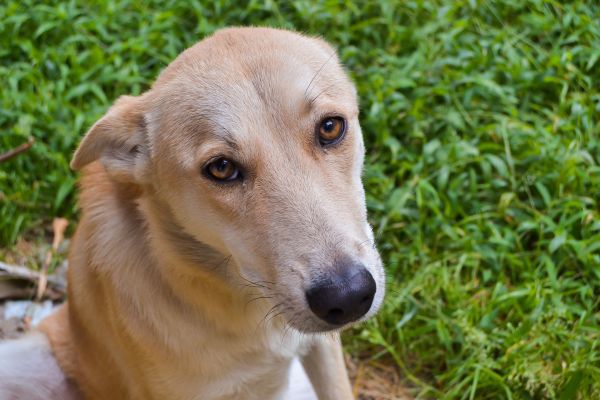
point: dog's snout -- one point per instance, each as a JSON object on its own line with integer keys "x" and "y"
{"x": 344, "y": 297}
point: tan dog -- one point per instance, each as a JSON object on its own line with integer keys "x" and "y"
{"x": 223, "y": 232}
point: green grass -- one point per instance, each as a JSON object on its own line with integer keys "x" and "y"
{"x": 483, "y": 132}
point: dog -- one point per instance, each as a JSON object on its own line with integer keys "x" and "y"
{"x": 223, "y": 238}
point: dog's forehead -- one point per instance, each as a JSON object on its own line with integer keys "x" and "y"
{"x": 248, "y": 50}
{"x": 240, "y": 77}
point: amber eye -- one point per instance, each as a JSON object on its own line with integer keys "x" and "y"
{"x": 331, "y": 130}
{"x": 222, "y": 169}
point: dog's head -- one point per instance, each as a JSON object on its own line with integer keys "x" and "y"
{"x": 251, "y": 137}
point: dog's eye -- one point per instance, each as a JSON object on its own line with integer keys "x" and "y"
{"x": 331, "y": 130}
{"x": 222, "y": 169}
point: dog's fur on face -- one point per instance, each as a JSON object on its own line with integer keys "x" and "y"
{"x": 253, "y": 96}
{"x": 184, "y": 287}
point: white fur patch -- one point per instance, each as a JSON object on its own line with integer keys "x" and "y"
{"x": 28, "y": 371}
{"x": 300, "y": 387}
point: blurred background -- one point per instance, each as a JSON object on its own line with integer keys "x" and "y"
{"x": 482, "y": 125}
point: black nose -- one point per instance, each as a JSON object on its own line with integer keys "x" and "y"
{"x": 343, "y": 298}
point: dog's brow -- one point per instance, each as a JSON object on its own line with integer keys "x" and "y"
{"x": 317, "y": 74}
{"x": 226, "y": 136}
{"x": 329, "y": 90}
{"x": 230, "y": 142}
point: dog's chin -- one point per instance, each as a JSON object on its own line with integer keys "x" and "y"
{"x": 314, "y": 325}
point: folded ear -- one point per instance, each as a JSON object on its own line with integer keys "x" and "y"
{"x": 118, "y": 140}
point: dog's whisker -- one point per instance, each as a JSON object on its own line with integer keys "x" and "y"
{"x": 269, "y": 282}
{"x": 317, "y": 73}
{"x": 288, "y": 327}
{"x": 258, "y": 298}
{"x": 273, "y": 309}
{"x": 275, "y": 315}
{"x": 370, "y": 242}
{"x": 255, "y": 284}
{"x": 264, "y": 319}
{"x": 312, "y": 100}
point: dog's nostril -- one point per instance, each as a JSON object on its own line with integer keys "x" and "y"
{"x": 336, "y": 312}
{"x": 343, "y": 298}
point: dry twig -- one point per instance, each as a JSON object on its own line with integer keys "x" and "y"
{"x": 19, "y": 272}
{"x": 17, "y": 150}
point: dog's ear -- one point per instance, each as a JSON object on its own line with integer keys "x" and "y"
{"x": 119, "y": 141}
